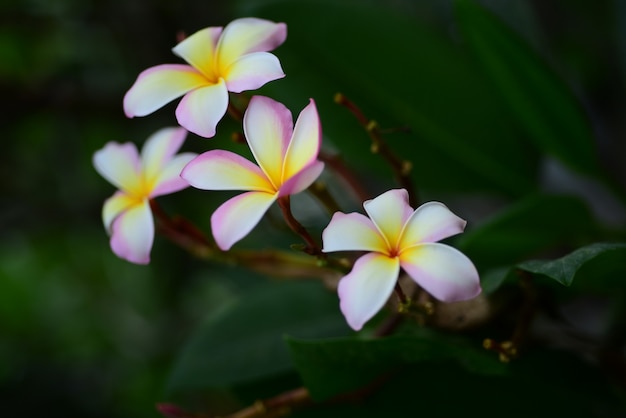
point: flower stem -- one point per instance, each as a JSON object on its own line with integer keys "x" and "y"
{"x": 235, "y": 111}
{"x": 401, "y": 168}
{"x": 285, "y": 264}
{"x": 401, "y": 296}
{"x": 311, "y": 246}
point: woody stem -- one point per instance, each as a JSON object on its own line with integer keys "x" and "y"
{"x": 401, "y": 168}
{"x": 312, "y": 248}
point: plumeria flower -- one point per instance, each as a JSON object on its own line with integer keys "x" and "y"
{"x": 234, "y": 59}
{"x": 127, "y": 216}
{"x": 395, "y": 236}
{"x": 288, "y": 164}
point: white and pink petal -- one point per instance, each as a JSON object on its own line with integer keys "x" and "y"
{"x": 431, "y": 222}
{"x": 159, "y": 149}
{"x": 252, "y": 71}
{"x": 132, "y": 234}
{"x": 441, "y": 270}
{"x": 199, "y": 50}
{"x": 169, "y": 179}
{"x": 268, "y": 126}
{"x": 120, "y": 165}
{"x": 302, "y": 180}
{"x": 389, "y": 212}
{"x": 236, "y": 217}
{"x": 366, "y": 289}
{"x": 114, "y": 206}
{"x": 201, "y": 109}
{"x": 305, "y": 141}
{"x": 225, "y": 170}
{"x": 157, "y": 86}
{"x": 352, "y": 232}
{"x": 246, "y": 35}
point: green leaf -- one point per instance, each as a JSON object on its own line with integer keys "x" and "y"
{"x": 543, "y": 105}
{"x": 601, "y": 266}
{"x": 402, "y": 73}
{"x": 334, "y": 366}
{"x": 525, "y": 229}
{"x": 244, "y": 340}
{"x": 564, "y": 269}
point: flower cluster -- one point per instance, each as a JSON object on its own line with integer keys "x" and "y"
{"x": 234, "y": 59}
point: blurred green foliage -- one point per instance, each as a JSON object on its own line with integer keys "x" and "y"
{"x": 513, "y": 116}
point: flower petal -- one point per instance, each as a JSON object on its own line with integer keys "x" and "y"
{"x": 305, "y": 142}
{"x": 225, "y": 170}
{"x": 352, "y": 232}
{"x": 169, "y": 179}
{"x": 431, "y": 222}
{"x": 389, "y": 212}
{"x": 234, "y": 219}
{"x": 243, "y": 36}
{"x": 200, "y": 110}
{"x": 302, "y": 180}
{"x": 159, "y": 149}
{"x": 366, "y": 289}
{"x": 268, "y": 127}
{"x": 114, "y": 206}
{"x": 252, "y": 71}
{"x": 443, "y": 271}
{"x": 132, "y": 234}
{"x": 120, "y": 165}
{"x": 157, "y": 86}
{"x": 199, "y": 50}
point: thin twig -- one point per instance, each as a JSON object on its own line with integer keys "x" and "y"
{"x": 311, "y": 246}
{"x": 283, "y": 403}
{"x": 182, "y": 232}
{"x": 277, "y": 406}
{"x": 401, "y": 168}
{"x": 401, "y": 296}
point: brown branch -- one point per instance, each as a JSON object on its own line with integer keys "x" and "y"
{"x": 279, "y": 405}
{"x": 401, "y": 296}
{"x": 401, "y": 168}
{"x": 311, "y": 246}
{"x": 182, "y": 232}
{"x": 283, "y": 403}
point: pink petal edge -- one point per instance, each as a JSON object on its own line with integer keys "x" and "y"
{"x": 236, "y": 217}
{"x": 366, "y": 289}
{"x": 225, "y": 170}
{"x": 200, "y": 110}
{"x": 132, "y": 234}
{"x": 352, "y": 232}
{"x": 443, "y": 271}
{"x": 159, "y": 85}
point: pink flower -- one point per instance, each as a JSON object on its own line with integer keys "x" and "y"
{"x": 233, "y": 59}
{"x": 287, "y": 158}
{"x": 127, "y": 216}
{"x": 395, "y": 237}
